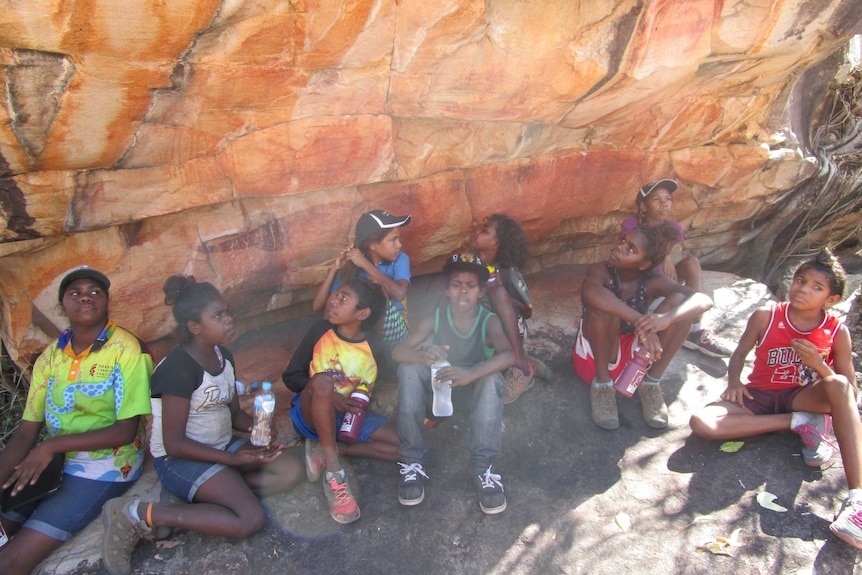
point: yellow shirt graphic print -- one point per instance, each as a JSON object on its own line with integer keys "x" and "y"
{"x": 354, "y": 359}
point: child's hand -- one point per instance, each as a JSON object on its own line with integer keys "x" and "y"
{"x": 340, "y": 403}
{"x": 435, "y": 353}
{"x": 342, "y": 257}
{"x": 807, "y": 352}
{"x": 736, "y": 393}
{"x": 251, "y": 455}
{"x": 357, "y": 257}
{"x": 29, "y": 470}
{"x": 669, "y": 269}
{"x": 651, "y": 323}
{"x": 459, "y": 376}
{"x": 650, "y": 343}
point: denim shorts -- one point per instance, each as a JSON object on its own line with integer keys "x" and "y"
{"x": 70, "y": 509}
{"x": 183, "y": 477}
{"x": 769, "y": 401}
{"x": 370, "y": 424}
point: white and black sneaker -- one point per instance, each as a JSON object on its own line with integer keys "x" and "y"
{"x": 411, "y": 490}
{"x": 492, "y": 500}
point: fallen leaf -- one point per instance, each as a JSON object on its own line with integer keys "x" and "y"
{"x": 168, "y": 544}
{"x": 731, "y": 446}
{"x": 624, "y": 522}
{"x": 734, "y": 537}
{"x": 767, "y": 501}
{"x": 723, "y": 545}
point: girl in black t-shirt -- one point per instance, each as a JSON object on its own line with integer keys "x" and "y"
{"x": 195, "y": 452}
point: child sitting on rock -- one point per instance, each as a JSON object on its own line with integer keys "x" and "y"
{"x": 616, "y": 296}
{"x": 471, "y": 339}
{"x": 500, "y": 242}
{"x": 803, "y": 373}
{"x": 195, "y": 452}
{"x": 334, "y": 357}
{"x": 655, "y": 202}
{"x": 375, "y": 254}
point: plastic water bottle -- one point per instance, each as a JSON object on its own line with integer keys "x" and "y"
{"x": 243, "y": 388}
{"x": 442, "y": 404}
{"x": 264, "y": 409}
{"x": 633, "y": 373}
{"x": 352, "y": 422}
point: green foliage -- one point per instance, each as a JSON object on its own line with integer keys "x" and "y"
{"x": 13, "y": 394}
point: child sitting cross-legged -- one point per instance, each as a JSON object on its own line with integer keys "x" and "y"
{"x": 471, "y": 339}
{"x": 803, "y": 380}
{"x": 335, "y": 356}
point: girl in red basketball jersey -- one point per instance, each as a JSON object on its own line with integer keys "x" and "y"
{"x": 803, "y": 380}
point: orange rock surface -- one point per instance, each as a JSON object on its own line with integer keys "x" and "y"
{"x": 239, "y": 141}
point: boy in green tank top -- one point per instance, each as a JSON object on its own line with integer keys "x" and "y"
{"x": 472, "y": 340}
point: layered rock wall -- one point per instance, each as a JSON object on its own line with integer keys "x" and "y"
{"x": 239, "y": 140}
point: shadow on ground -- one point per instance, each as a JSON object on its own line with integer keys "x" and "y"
{"x": 570, "y": 485}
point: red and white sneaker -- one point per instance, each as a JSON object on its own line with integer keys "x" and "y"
{"x": 848, "y": 523}
{"x": 706, "y": 342}
{"x": 342, "y": 504}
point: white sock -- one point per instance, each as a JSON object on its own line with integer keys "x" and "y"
{"x": 598, "y": 383}
{"x": 330, "y": 475}
{"x": 133, "y": 510}
{"x": 799, "y": 418}
{"x": 695, "y": 327}
{"x": 854, "y": 495}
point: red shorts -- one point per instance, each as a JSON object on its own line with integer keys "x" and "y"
{"x": 585, "y": 364}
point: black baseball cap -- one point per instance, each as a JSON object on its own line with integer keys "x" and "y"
{"x": 466, "y": 262}
{"x": 647, "y": 189}
{"x": 372, "y": 222}
{"x": 84, "y": 272}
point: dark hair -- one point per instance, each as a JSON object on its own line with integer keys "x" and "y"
{"x": 659, "y": 240}
{"x": 369, "y": 295}
{"x": 188, "y": 298}
{"x": 512, "y": 248}
{"x": 826, "y": 262}
{"x": 448, "y": 272}
{"x": 350, "y": 270}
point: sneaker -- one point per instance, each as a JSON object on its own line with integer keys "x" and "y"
{"x": 653, "y": 406}
{"x": 706, "y": 342}
{"x": 517, "y": 382}
{"x": 122, "y": 533}
{"x": 814, "y": 429}
{"x": 315, "y": 462}
{"x": 848, "y": 523}
{"x": 541, "y": 369}
{"x": 492, "y": 500}
{"x": 411, "y": 490}
{"x": 166, "y": 497}
{"x": 342, "y": 505}
{"x": 603, "y": 400}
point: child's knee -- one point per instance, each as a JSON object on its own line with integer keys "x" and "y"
{"x": 838, "y": 388}
{"x": 702, "y": 425}
{"x": 251, "y": 523}
{"x": 320, "y": 384}
{"x": 689, "y": 264}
